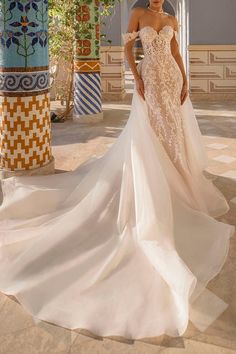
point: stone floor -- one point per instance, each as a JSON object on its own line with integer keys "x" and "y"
{"x": 73, "y": 143}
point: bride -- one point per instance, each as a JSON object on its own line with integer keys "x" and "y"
{"x": 126, "y": 243}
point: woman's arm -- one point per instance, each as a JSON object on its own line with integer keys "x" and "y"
{"x": 178, "y": 58}
{"x": 133, "y": 27}
{"x": 175, "y": 50}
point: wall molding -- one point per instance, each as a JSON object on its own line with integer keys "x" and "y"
{"x": 212, "y": 47}
{"x": 212, "y": 71}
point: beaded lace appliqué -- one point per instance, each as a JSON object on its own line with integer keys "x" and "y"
{"x": 129, "y": 36}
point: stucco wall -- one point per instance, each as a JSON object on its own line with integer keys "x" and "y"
{"x": 212, "y": 22}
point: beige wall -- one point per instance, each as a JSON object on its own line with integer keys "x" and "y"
{"x": 212, "y": 71}
{"x": 113, "y": 72}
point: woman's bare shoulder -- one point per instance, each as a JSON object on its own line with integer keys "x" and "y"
{"x": 134, "y": 18}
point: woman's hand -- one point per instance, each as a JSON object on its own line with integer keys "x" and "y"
{"x": 140, "y": 87}
{"x": 184, "y": 92}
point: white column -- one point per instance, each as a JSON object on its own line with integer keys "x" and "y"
{"x": 187, "y": 37}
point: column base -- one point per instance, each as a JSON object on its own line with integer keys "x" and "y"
{"x": 88, "y": 118}
{"x": 47, "y": 169}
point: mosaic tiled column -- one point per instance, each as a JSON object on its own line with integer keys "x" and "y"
{"x": 87, "y": 80}
{"x": 25, "y": 126}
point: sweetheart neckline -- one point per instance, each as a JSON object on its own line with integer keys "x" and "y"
{"x": 156, "y": 30}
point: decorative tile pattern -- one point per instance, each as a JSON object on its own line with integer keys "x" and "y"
{"x": 85, "y": 66}
{"x": 25, "y": 132}
{"x": 88, "y": 41}
{"x": 230, "y": 72}
{"x": 198, "y": 57}
{"x": 206, "y": 72}
{"x": 212, "y": 70}
{"x": 24, "y": 35}
{"x": 222, "y": 57}
{"x": 223, "y": 86}
{"x": 199, "y": 86}
{"x": 87, "y": 81}
{"x": 113, "y": 71}
{"x": 23, "y": 81}
{"x": 87, "y": 96}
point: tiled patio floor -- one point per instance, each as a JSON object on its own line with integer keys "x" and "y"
{"x": 73, "y": 143}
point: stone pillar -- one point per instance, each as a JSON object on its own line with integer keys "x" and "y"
{"x": 25, "y": 126}
{"x": 87, "y": 79}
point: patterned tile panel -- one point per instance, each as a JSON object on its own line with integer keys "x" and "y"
{"x": 199, "y": 86}
{"x": 218, "y": 76}
{"x": 112, "y": 55}
{"x": 222, "y": 57}
{"x": 23, "y": 81}
{"x": 23, "y": 32}
{"x": 87, "y": 81}
{"x": 206, "y": 72}
{"x": 113, "y": 70}
{"x": 85, "y": 66}
{"x": 112, "y": 86}
{"x": 198, "y": 57}
{"x": 230, "y": 72}
{"x": 88, "y": 42}
{"x": 227, "y": 86}
{"x": 87, "y": 95}
{"x": 25, "y": 132}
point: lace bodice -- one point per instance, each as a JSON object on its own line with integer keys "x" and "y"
{"x": 153, "y": 42}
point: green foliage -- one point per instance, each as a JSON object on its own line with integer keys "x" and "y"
{"x": 64, "y": 27}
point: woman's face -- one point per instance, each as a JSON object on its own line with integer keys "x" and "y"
{"x": 156, "y": 3}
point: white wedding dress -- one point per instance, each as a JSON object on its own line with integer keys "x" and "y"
{"x": 126, "y": 243}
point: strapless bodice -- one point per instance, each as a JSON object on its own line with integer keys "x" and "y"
{"x": 156, "y": 45}
{"x": 148, "y": 33}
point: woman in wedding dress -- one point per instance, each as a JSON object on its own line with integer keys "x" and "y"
{"x": 126, "y": 243}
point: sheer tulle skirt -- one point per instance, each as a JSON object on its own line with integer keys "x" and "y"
{"x": 125, "y": 244}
